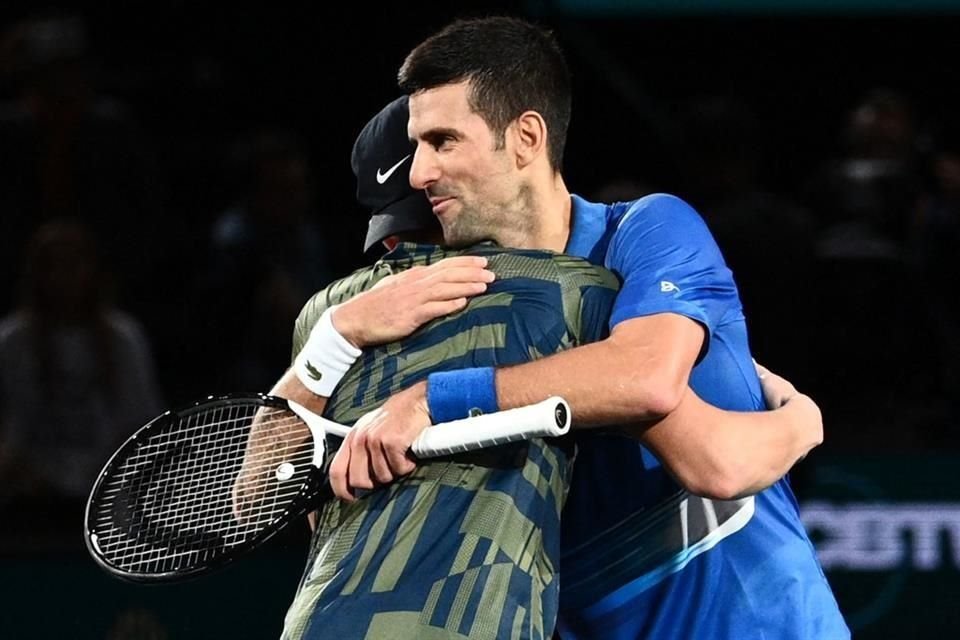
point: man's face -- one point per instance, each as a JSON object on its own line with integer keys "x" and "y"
{"x": 474, "y": 185}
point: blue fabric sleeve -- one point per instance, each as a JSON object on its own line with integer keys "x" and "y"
{"x": 670, "y": 263}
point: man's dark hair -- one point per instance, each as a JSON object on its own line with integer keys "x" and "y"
{"x": 512, "y": 66}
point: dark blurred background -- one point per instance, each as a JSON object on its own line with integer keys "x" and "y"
{"x": 175, "y": 183}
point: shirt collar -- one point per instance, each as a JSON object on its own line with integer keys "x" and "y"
{"x": 588, "y": 223}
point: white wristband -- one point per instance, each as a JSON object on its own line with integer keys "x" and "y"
{"x": 325, "y": 357}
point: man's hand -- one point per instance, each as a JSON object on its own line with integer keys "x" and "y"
{"x": 779, "y": 393}
{"x": 399, "y": 304}
{"x": 376, "y": 451}
{"x": 777, "y": 390}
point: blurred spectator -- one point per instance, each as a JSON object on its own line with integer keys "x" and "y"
{"x": 879, "y": 379}
{"x": 76, "y": 374}
{"x": 269, "y": 254}
{"x": 865, "y": 197}
{"x": 70, "y": 152}
{"x": 766, "y": 238}
{"x": 934, "y": 247}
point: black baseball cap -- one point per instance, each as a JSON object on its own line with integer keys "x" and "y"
{"x": 381, "y": 161}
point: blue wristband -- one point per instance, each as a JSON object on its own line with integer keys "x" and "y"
{"x": 452, "y": 395}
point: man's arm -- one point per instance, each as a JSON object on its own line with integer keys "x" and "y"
{"x": 401, "y": 303}
{"x": 639, "y": 376}
{"x": 639, "y": 373}
{"x": 726, "y": 454}
{"x": 392, "y": 309}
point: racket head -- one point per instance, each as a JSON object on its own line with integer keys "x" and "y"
{"x": 166, "y": 505}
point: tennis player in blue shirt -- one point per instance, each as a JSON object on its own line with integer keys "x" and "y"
{"x": 697, "y": 533}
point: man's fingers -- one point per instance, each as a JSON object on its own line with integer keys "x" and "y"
{"x": 391, "y": 280}
{"x": 776, "y": 389}
{"x": 359, "y": 468}
{"x": 453, "y": 290}
{"x": 379, "y": 465}
{"x": 761, "y": 370}
{"x": 339, "y": 467}
{"x": 460, "y": 274}
{"x": 457, "y": 261}
{"x": 396, "y": 452}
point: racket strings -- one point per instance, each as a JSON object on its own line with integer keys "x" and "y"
{"x": 190, "y": 493}
{"x": 260, "y": 447}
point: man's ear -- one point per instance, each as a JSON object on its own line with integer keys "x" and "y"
{"x": 530, "y": 131}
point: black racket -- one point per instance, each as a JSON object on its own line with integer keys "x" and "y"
{"x": 196, "y": 488}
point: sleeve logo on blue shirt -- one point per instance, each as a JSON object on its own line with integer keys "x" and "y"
{"x": 668, "y": 287}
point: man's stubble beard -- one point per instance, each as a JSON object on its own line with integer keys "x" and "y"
{"x": 510, "y": 224}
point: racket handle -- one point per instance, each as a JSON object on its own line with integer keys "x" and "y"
{"x": 546, "y": 419}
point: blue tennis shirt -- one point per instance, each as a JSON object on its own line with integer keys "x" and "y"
{"x": 641, "y": 557}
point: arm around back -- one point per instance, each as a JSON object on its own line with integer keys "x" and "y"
{"x": 726, "y": 455}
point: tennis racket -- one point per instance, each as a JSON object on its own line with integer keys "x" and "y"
{"x": 196, "y": 488}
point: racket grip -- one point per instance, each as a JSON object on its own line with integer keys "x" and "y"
{"x": 546, "y": 419}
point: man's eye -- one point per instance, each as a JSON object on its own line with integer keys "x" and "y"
{"x": 442, "y": 141}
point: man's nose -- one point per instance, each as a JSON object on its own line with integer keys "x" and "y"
{"x": 424, "y": 170}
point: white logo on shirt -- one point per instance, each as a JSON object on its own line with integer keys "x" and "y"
{"x": 668, "y": 287}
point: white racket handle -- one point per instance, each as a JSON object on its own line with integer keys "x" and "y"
{"x": 545, "y": 419}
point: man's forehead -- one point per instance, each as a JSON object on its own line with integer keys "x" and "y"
{"x": 444, "y": 107}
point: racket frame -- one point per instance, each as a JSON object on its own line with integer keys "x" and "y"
{"x": 308, "y": 497}
{"x": 549, "y": 418}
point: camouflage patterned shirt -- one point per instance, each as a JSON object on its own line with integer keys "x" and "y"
{"x": 466, "y": 546}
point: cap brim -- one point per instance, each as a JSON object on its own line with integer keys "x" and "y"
{"x": 412, "y": 213}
